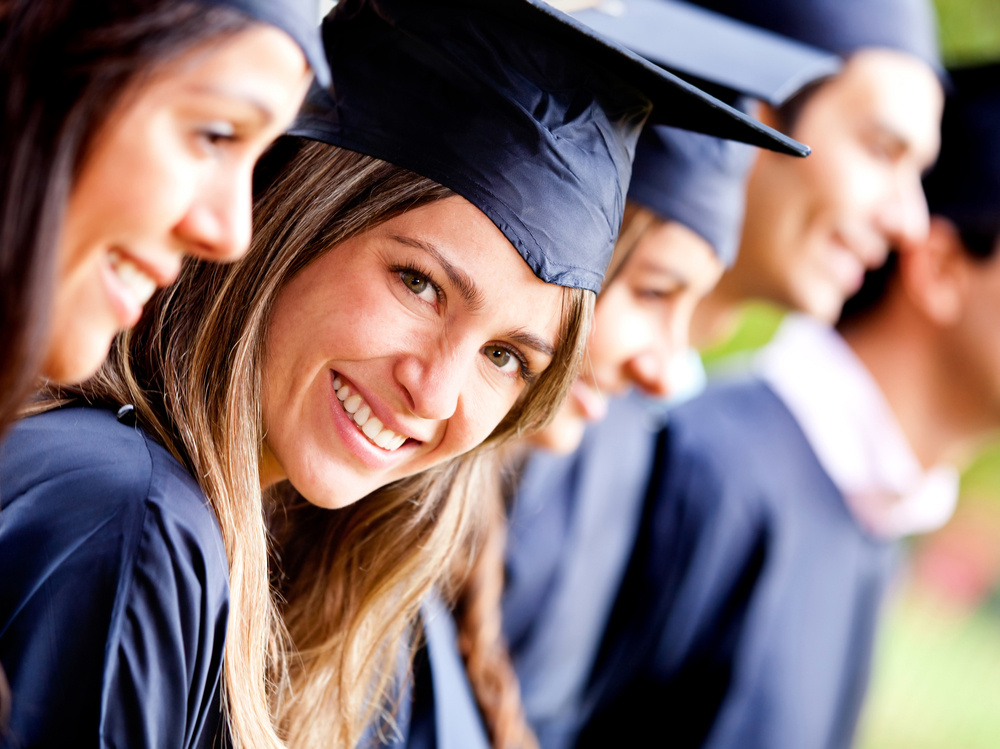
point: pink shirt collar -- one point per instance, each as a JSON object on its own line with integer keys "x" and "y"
{"x": 853, "y": 431}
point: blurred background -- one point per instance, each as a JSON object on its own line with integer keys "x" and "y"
{"x": 936, "y": 683}
{"x": 936, "y": 680}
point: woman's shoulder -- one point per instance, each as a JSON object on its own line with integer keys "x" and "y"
{"x": 85, "y": 461}
{"x": 115, "y": 598}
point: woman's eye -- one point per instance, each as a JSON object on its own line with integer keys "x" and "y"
{"x": 217, "y": 134}
{"x": 419, "y": 285}
{"x": 657, "y": 294}
{"x": 503, "y": 359}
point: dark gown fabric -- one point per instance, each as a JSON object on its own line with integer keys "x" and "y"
{"x": 749, "y": 608}
{"x": 572, "y": 528}
{"x": 438, "y": 709}
{"x": 115, "y": 588}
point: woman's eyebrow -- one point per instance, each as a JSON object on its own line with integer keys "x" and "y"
{"x": 246, "y": 98}
{"x": 471, "y": 293}
{"x": 657, "y": 269}
{"x": 532, "y": 341}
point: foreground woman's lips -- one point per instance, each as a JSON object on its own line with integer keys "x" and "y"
{"x": 361, "y": 414}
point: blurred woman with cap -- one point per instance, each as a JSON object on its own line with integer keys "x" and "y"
{"x": 129, "y": 134}
{"x": 406, "y": 297}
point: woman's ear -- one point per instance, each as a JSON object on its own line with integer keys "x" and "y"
{"x": 934, "y": 273}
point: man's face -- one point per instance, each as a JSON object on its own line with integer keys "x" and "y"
{"x": 815, "y": 225}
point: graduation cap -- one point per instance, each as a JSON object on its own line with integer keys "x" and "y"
{"x": 711, "y": 50}
{"x": 519, "y": 108}
{"x": 694, "y": 179}
{"x": 843, "y": 26}
{"x": 964, "y": 185}
{"x": 297, "y": 18}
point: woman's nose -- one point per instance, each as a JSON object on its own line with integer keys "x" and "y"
{"x": 217, "y": 224}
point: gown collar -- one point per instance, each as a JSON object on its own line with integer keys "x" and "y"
{"x": 853, "y": 431}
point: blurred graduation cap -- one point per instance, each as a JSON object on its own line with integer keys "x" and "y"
{"x": 964, "y": 185}
{"x": 843, "y": 26}
{"x": 519, "y": 108}
{"x": 711, "y": 50}
{"x": 297, "y": 18}
{"x": 696, "y": 180}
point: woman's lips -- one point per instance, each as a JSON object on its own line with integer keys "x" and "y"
{"x": 591, "y": 404}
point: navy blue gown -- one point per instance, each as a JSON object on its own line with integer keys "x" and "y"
{"x": 747, "y": 611}
{"x": 438, "y": 709}
{"x": 572, "y": 529}
{"x": 115, "y": 588}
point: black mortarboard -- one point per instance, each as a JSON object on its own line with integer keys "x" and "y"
{"x": 964, "y": 185}
{"x": 696, "y": 180}
{"x": 690, "y": 178}
{"x": 517, "y": 107}
{"x": 843, "y": 26}
{"x": 297, "y": 18}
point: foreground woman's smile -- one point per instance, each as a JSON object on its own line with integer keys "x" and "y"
{"x": 398, "y": 349}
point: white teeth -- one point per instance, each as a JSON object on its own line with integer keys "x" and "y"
{"x": 371, "y": 428}
{"x": 361, "y": 414}
{"x": 353, "y": 403}
{"x": 138, "y": 282}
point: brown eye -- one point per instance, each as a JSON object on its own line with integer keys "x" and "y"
{"x": 499, "y": 356}
{"x": 419, "y": 284}
{"x": 414, "y": 282}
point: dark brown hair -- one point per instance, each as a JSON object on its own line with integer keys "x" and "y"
{"x": 64, "y": 67}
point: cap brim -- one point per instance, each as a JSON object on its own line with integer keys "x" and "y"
{"x": 676, "y": 102}
{"x": 711, "y": 49}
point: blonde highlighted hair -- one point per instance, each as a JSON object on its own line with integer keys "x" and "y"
{"x": 479, "y": 580}
{"x": 322, "y": 601}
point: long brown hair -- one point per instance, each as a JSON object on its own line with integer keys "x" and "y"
{"x": 314, "y": 631}
{"x": 64, "y": 67}
{"x": 478, "y": 577}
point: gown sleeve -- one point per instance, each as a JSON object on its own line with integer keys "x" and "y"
{"x": 114, "y": 607}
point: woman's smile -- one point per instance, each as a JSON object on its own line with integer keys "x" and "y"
{"x": 387, "y": 355}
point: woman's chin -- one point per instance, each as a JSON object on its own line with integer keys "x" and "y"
{"x": 562, "y": 436}
{"x": 72, "y": 359}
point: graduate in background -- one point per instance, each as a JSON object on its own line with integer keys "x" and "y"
{"x": 840, "y": 215}
{"x": 813, "y": 229}
{"x": 774, "y": 509}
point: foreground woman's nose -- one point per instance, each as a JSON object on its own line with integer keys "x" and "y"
{"x": 433, "y": 382}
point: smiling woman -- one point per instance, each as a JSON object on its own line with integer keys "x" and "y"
{"x": 335, "y": 396}
{"x": 129, "y": 132}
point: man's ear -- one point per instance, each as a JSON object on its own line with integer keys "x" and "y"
{"x": 933, "y": 273}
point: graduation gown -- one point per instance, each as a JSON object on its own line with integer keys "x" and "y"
{"x": 115, "y": 588}
{"x": 749, "y": 608}
{"x": 438, "y": 709}
{"x": 572, "y": 528}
